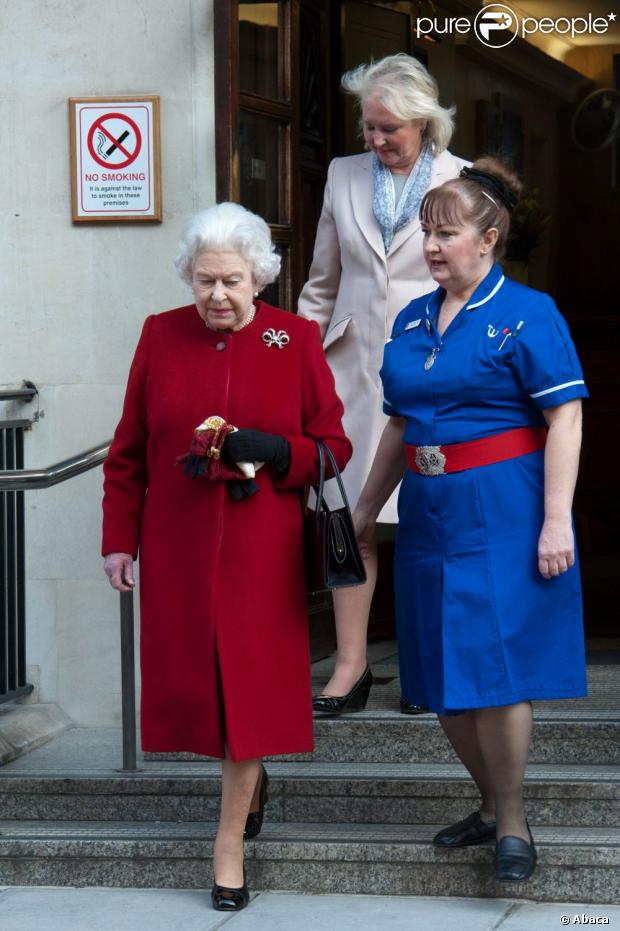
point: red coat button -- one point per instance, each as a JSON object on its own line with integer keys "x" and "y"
{"x": 219, "y": 346}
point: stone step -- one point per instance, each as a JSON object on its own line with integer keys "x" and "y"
{"x": 395, "y": 793}
{"x": 580, "y": 864}
{"x": 571, "y": 737}
{"x": 25, "y": 727}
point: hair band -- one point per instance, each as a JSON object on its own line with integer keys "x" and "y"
{"x": 494, "y": 184}
{"x": 484, "y": 193}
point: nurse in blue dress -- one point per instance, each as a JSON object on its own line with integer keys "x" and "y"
{"x": 483, "y": 388}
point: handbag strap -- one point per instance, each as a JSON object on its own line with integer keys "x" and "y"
{"x": 321, "y": 504}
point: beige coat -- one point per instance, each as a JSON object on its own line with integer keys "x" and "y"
{"x": 354, "y": 292}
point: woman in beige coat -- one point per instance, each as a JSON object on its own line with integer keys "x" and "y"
{"x": 367, "y": 266}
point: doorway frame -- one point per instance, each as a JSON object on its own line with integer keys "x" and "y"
{"x": 230, "y": 101}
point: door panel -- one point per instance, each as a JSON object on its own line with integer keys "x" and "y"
{"x": 271, "y": 84}
{"x": 260, "y": 27}
{"x": 257, "y": 118}
{"x": 261, "y": 140}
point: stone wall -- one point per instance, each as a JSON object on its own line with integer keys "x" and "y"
{"x": 74, "y": 296}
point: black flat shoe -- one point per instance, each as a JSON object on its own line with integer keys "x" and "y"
{"x": 407, "y": 708}
{"x": 254, "y": 821}
{"x": 354, "y": 701}
{"x": 465, "y": 833}
{"x": 225, "y": 899}
{"x": 515, "y": 859}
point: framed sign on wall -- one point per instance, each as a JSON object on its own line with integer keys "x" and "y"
{"x": 115, "y": 159}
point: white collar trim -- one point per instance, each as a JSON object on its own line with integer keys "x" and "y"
{"x": 489, "y": 296}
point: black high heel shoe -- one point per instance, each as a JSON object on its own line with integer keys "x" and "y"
{"x": 254, "y": 822}
{"x": 407, "y": 708}
{"x": 515, "y": 859}
{"x": 355, "y": 700}
{"x": 225, "y": 899}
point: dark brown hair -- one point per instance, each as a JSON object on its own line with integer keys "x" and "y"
{"x": 463, "y": 200}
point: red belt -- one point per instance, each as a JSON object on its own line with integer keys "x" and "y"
{"x": 435, "y": 460}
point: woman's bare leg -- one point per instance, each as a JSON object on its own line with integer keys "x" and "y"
{"x": 238, "y": 786}
{"x": 461, "y": 731}
{"x": 504, "y": 736}
{"x": 351, "y": 610}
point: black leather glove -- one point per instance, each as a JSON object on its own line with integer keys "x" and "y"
{"x": 244, "y": 488}
{"x": 195, "y": 466}
{"x": 256, "y": 446}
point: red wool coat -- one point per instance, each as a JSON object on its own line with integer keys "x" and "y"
{"x": 224, "y": 633}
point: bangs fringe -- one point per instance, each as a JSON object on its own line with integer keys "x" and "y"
{"x": 442, "y": 206}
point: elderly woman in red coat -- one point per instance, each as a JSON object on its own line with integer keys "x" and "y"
{"x": 223, "y": 608}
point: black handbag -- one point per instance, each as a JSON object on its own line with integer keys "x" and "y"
{"x": 332, "y": 555}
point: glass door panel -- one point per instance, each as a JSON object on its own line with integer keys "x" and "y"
{"x": 257, "y": 95}
{"x": 259, "y": 42}
{"x": 259, "y": 155}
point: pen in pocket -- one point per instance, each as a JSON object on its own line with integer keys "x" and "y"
{"x": 514, "y": 334}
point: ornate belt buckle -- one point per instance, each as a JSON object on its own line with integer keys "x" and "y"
{"x": 430, "y": 460}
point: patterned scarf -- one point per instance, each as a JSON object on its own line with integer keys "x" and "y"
{"x": 389, "y": 216}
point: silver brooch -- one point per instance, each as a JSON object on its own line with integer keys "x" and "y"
{"x": 430, "y": 359}
{"x": 279, "y": 339}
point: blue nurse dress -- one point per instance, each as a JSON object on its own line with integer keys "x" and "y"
{"x": 478, "y": 626}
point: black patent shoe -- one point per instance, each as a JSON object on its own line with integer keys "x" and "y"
{"x": 515, "y": 859}
{"x": 407, "y": 708}
{"x": 254, "y": 821}
{"x": 354, "y": 701}
{"x": 471, "y": 830}
{"x": 225, "y": 899}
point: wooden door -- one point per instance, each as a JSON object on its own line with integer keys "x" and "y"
{"x": 280, "y": 116}
{"x": 272, "y": 139}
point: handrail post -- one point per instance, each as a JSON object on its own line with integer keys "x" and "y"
{"x": 128, "y": 683}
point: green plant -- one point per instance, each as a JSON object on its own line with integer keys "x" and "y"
{"x": 528, "y": 221}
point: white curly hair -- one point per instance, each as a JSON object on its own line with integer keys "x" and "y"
{"x": 231, "y": 228}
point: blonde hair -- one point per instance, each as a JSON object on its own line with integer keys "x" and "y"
{"x": 232, "y": 228}
{"x": 405, "y": 88}
{"x": 464, "y": 200}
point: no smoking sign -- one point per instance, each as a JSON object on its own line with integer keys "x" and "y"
{"x": 114, "y": 140}
{"x": 115, "y": 158}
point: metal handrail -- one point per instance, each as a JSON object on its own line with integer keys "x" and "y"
{"x": 28, "y": 479}
{"x": 18, "y": 394}
{"x": 128, "y": 683}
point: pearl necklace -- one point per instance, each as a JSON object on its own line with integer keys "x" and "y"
{"x": 246, "y": 322}
{"x": 248, "y": 319}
